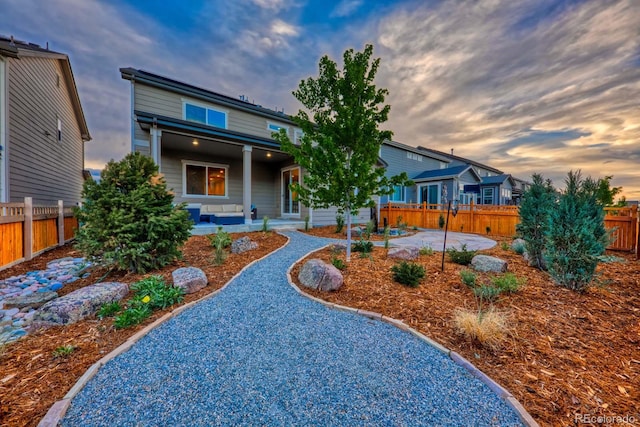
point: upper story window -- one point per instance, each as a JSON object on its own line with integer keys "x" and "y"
{"x": 59, "y": 130}
{"x": 204, "y": 114}
{"x": 414, "y": 156}
{"x": 274, "y": 127}
{"x": 297, "y": 136}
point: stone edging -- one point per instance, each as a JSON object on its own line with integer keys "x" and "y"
{"x": 57, "y": 411}
{"x": 500, "y": 391}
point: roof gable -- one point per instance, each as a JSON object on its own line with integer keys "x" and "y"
{"x": 452, "y": 172}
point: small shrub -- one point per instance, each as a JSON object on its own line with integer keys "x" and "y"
{"x": 487, "y": 328}
{"x": 441, "y": 221}
{"x": 63, "y": 351}
{"x": 487, "y": 293}
{"x": 468, "y": 278}
{"x": 364, "y": 246}
{"x": 265, "y": 224}
{"x": 132, "y": 316}
{"x": 368, "y": 230}
{"x": 220, "y": 238}
{"x": 414, "y": 228}
{"x": 339, "y": 223}
{"x": 160, "y": 294}
{"x": 338, "y": 263}
{"x": 306, "y": 223}
{"x": 519, "y": 248}
{"x": 504, "y": 246}
{"x": 109, "y": 309}
{"x": 426, "y": 250}
{"x": 462, "y": 256}
{"x": 408, "y": 273}
{"x": 507, "y": 282}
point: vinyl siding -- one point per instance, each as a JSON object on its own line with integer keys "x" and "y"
{"x": 40, "y": 166}
{"x": 328, "y": 216}
{"x": 165, "y": 103}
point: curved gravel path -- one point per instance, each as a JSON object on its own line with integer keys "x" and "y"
{"x": 258, "y": 353}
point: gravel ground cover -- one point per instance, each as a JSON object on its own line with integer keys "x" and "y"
{"x": 260, "y": 354}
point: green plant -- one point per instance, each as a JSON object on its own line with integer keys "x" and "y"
{"x": 265, "y": 224}
{"x": 486, "y": 293}
{"x": 577, "y": 236}
{"x": 220, "y": 239}
{"x": 128, "y": 220}
{"x": 386, "y": 237}
{"x": 339, "y": 223}
{"x": 426, "y": 250}
{"x": 504, "y": 246}
{"x": 368, "y": 230}
{"x": 468, "y": 278}
{"x": 338, "y": 263}
{"x": 306, "y": 223}
{"x": 462, "y": 256}
{"x": 486, "y": 327}
{"x": 109, "y": 309}
{"x": 537, "y": 203}
{"x": 508, "y": 282}
{"x": 63, "y": 351}
{"x": 132, "y": 316}
{"x": 363, "y": 246}
{"x": 441, "y": 221}
{"x": 518, "y": 247}
{"x": 408, "y": 273}
{"x": 414, "y": 228}
{"x": 160, "y": 294}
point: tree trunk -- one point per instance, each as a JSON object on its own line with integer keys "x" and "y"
{"x": 348, "y": 213}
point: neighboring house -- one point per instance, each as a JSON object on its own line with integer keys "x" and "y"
{"x": 441, "y": 177}
{"x": 217, "y": 150}
{"x": 42, "y": 126}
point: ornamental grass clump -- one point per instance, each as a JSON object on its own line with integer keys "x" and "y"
{"x": 128, "y": 220}
{"x": 408, "y": 273}
{"x": 487, "y": 328}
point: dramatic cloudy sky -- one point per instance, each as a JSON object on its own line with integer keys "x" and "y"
{"x": 525, "y": 86}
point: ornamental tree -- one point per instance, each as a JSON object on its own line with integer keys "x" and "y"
{"x": 128, "y": 220}
{"x": 341, "y": 140}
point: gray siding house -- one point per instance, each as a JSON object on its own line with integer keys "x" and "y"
{"x": 216, "y": 150}
{"x": 42, "y": 126}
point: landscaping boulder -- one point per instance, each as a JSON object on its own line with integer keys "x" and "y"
{"x": 404, "y": 252}
{"x": 243, "y": 244}
{"x": 34, "y": 300}
{"x": 317, "y": 274}
{"x": 338, "y": 247}
{"x": 80, "y": 303}
{"x": 189, "y": 279}
{"x": 487, "y": 263}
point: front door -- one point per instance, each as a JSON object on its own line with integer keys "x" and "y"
{"x": 290, "y": 204}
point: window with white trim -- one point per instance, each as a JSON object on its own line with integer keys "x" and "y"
{"x": 274, "y": 127}
{"x": 297, "y": 136}
{"x": 204, "y": 114}
{"x": 487, "y": 196}
{"x": 414, "y": 156}
{"x": 399, "y": 194}
{"x": 205, "y": 179}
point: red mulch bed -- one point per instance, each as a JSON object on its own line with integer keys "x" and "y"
{"x": 567, "y": 354}
{"x": 32, "y": 379}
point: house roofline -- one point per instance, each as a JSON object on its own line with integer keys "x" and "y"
{"x": 456, "y": 175}
{"x": 176, "y": 86}
{"x": 462, "y": 159}
{"x": 416, "y": 150}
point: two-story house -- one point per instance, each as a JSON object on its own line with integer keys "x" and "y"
{"x": 216, "y": 150}
{"x": 42, "y": 125}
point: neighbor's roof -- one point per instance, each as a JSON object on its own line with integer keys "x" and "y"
{"x": 462, "y": 159}
{"x": 496, "y": 179}
{"x": 177, "y": 86}
{"x": 416, "y": 151}
{"x": 445, "y": 173}
{"x": 12, "y": 48}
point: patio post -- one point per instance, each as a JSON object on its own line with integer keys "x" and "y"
{"x": 246, "y": 183}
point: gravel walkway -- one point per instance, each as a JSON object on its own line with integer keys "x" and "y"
{"x": 260, "y": 354}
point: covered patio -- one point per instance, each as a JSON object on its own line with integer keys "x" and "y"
{"x": 204, "y": 228}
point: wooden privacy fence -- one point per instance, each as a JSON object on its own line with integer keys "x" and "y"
{"x": 502, "y": 220}
{"x": 27, "y": 230}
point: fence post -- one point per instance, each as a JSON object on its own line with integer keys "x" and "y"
{"x": 60, "y": 223}
{"x": 28, "y": 228}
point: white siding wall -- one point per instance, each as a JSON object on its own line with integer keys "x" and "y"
{"x": 40, "y": 166}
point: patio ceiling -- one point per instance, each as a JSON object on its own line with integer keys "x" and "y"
{"x": 206, "y": 146}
